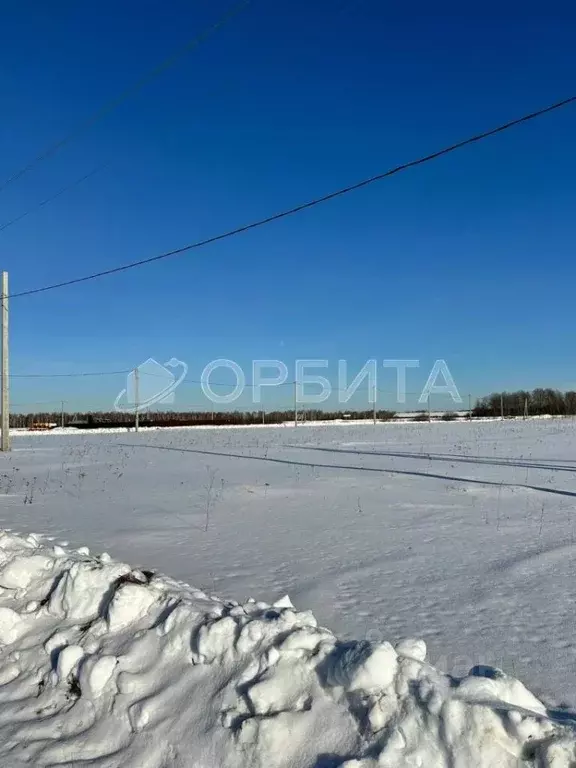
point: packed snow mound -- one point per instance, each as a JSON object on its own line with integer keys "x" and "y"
{"x": 107, "y": 666}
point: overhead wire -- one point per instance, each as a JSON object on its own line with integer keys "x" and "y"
{"x": 304, "y": 206}
{"x": 345, "y": 6}
{"x": 111, "y": 105}
{"x": 67, "y": 188}
{"x": 65, "y": 375}
{"x": 193, "y": 382}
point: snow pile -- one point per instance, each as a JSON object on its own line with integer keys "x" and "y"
{"x": 108, "y": 666}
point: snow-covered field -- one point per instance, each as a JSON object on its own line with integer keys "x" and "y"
{"x": 463, "y": 534}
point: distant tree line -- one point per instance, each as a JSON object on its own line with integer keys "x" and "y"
{"x": 538, "y": 402}
{"x": 95, "y": 419}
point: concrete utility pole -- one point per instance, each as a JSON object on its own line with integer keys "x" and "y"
{"x": 5, "y": 416}
{"x": 137, "y": 398}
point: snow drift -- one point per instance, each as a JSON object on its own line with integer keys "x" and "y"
{"x": 104, "y": 665}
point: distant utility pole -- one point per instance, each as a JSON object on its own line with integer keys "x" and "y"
{"x": 62, "y": 415}
{"x": 374, "y": 404}
{"x": 502, "y": 407}
{"x": 525, "y": 408}
{"x": 137, "y": 398}
{"x": 429, "y": 413}
{"x": 295, "y": 406}
{"x": 5, "y": 385}
{"x": 470, "y": 407}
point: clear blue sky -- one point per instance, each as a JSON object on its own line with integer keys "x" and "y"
{"x": 470, "y": 258}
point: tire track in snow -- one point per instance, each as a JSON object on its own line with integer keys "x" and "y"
{"x": 455, "y": 458}
{"x": 355, "y": 468}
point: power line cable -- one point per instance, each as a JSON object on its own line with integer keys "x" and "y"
{"x": 195, "y": 382}
{"x": 27, "y": 405}
{"x": 128, "y": 92}
{"x": 53, "y": 197}
{"x": 65, "y": 375}
{"x": 344, "y": 7}
{"x": 192, "y": 382}
{"x": 304, "y": 206}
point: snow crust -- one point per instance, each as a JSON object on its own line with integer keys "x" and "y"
{"x": 105, "y": 665}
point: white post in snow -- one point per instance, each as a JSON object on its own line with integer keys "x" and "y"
{"x": 137, "y": 398}
{"x": 5, "y": 415}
